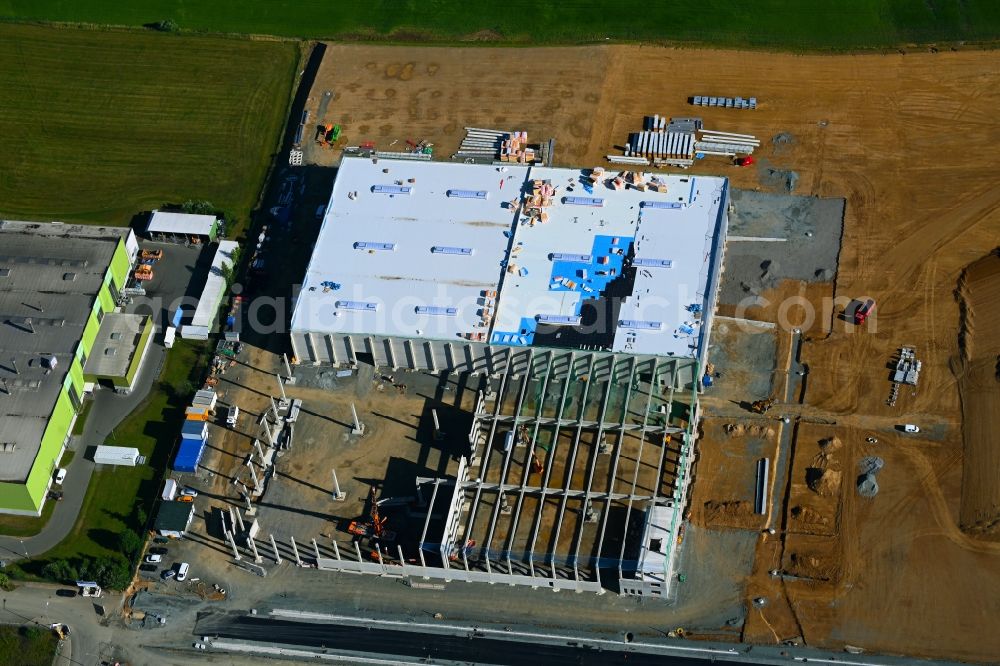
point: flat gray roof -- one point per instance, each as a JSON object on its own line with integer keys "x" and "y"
{"x": 50, "y": 274}
{"x": 115, "y": 345}
{"x": 180, "y": 223}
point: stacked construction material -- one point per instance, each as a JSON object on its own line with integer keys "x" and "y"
{"x": 725, "y": 102}
{"x": 535, "y": 202}
{"x": 726, "y": 143}
{"x": 491, "y": 144}
{"x": 515, "y": 149}
{"x": 662, "y": 142}
{"x": 481, "y": 143}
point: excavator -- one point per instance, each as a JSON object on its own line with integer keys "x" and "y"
{"x": 761, "y": 406}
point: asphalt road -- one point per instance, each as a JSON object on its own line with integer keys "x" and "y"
{"x": 435, "y": 647}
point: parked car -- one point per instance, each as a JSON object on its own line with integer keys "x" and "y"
{"x": 909, "y": 427}
{"x": 56, "y": 495}
{"x": 182, "y": 571}
{"x": 168, "y": 574}
{"x": 188, "y": 491}
{"x": 153, "y": 558}
{"x": 60, "y": 475}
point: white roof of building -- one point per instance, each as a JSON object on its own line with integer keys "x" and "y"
{"x": 215, "y": 286}
{"x": 652, "y": 320}
{"x": 180, "y": 223}
{"x": 437, "y": 242}
{"x": 389, "y": 246}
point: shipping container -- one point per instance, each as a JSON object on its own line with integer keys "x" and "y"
{"x": 116, "y": 455}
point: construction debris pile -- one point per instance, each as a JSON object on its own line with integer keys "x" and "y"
{"x": 725, "y": 102}
{"x": 679, "y": 141}
{"x": 491, "y": 144}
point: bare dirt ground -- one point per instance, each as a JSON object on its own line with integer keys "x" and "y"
{"x": 909, "y": 141}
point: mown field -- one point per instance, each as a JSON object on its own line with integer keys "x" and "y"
{"x": 97, "y": 126}
{"x": 816, "y": 24}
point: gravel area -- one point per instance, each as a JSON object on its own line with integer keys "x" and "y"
{"x": 812, "y": 227}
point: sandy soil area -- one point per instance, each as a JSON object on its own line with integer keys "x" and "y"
{"x": 909, "y": 141}
{"x": 979, "y": 385}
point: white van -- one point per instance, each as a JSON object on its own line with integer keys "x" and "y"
{"x": 182, "y": 571}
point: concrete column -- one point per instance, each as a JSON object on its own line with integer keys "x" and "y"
{"x": 274, "y": 547}
{"x": 316, "y": 550}
{"x": 288, "y": 368}
{"x": 338, "y": 494}
{"x": 232, "y": 544}
{"x": 260, "y": 451}
{"x": 256, "y": 556}
{"x": 359, "y": 427}
{"x": 239, "y": 522}
{"x": 357, "y": 549}
{"x": 232, "y": 519}
{"x": 438, "y": 435}
{"x": 336, "y": 549}
{"x": 295, "y": 550}
{"x": 253, "y": 475}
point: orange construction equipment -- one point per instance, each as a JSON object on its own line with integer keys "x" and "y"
{"x": 536, "y": 464}
{"x": 144, "y": 272}
{"x": 152, "y": 254}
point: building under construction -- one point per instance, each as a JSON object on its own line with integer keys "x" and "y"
{"x": 584, "y": 301}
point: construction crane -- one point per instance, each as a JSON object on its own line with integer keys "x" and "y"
{"x": 374, "y": 529}
{"x": 761, "y": 406}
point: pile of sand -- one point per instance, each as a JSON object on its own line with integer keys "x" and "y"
{"x": 748, "y": 430}
{"x": 809, "y": 516}
{"x": 826, "y": 482}
{"x": 830, "y": 444}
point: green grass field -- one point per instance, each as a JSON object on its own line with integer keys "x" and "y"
{"x": 98, "y": 126}
{"x": 30, "y": 645}
{"x": 795, "y": 24}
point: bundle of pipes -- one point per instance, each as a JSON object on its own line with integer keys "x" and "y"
{"x": 726, "y": 143}
{"x": 714, "y": 148}
{"x": 480, "y": 142}
{"x": 621, "y": 159}
{"x": 730, "y": 137}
